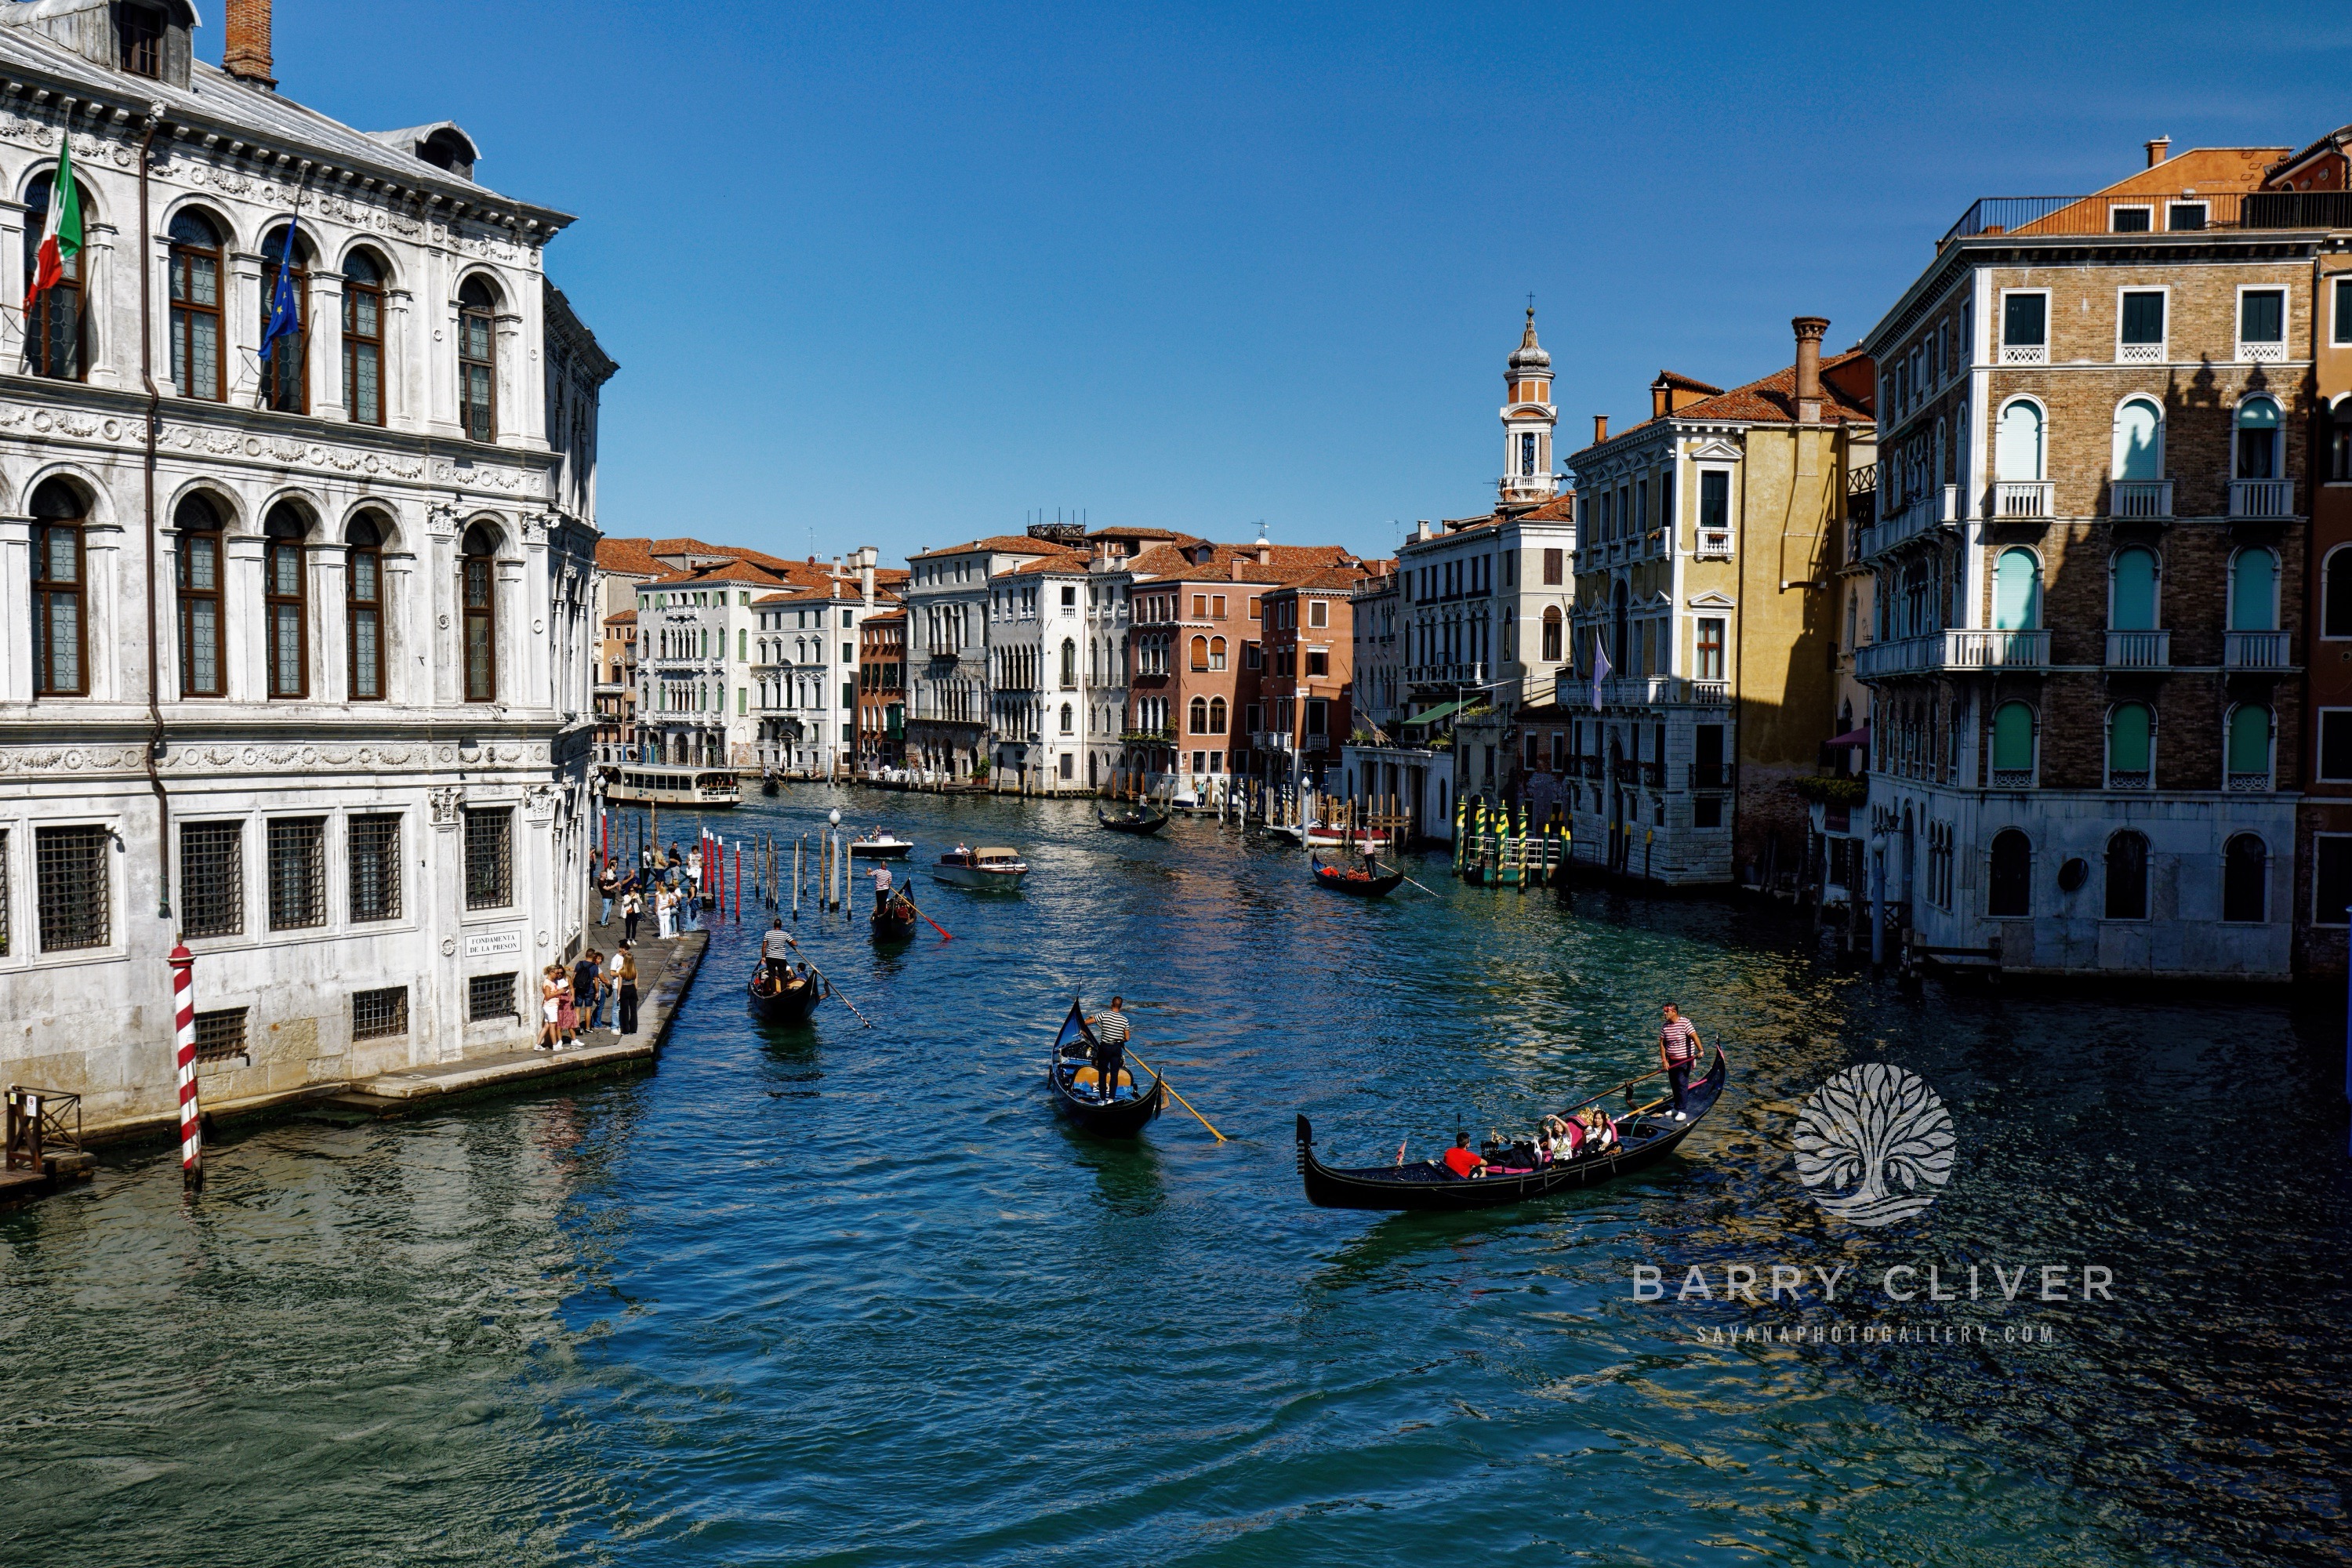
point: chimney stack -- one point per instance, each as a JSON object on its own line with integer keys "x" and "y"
{"x": 1237, "y": 568}
{"x": 2158, "y": 150}
{"x": 1599, "y": 429}
{"x": 1808, "y": 330}
{"x": 1659, "y": 407}
{"x": 244, "y": 55}
{"x": 865, "y": 581}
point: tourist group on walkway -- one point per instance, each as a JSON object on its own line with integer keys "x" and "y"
{"x": 601, "y": 993}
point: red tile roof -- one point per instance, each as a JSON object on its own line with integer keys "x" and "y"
{"x": 625, "y": 618}
{"x": 1071, "y": 562}
{"x": 996, "y": 543}
{"x": 1771, "y": 401}
{"x": 732, "y": 572}
{"x": 628, "y": 556}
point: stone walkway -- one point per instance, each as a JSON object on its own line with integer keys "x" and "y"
{"x": 665, "y": 969}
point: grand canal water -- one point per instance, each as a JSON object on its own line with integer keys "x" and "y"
{"x": 852, "y": 1296}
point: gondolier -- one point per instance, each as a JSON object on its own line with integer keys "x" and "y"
{"x": 1678, "y": 1052}
{"x": 1110, "y": 1056}
{"x": 881, "y": 887}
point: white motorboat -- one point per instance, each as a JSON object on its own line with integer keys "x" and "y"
{"x": 879, "y": 846}
{"x": 985, "y": 867}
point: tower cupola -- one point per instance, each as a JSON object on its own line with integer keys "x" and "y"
{"x": 1529, "y": 419}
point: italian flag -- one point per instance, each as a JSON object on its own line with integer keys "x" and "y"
{"x": 61, "y": 234}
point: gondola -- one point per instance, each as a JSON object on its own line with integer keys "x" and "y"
{"x": 1074, "y": 1048}
{"x": 791, "y": 1002}
{"x": 1356, "y": 883}
{"x": 1141, "y": 821}
{"x": 769, "y": 787}
{"x": 895, "y": 920}
{"x": 1646, "y": 1135}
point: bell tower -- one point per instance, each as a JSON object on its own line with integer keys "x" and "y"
{"x": 1529, "y": 418}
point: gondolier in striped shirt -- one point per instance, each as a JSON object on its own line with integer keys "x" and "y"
{"x": 1110, "y": 1057}
{"x": 1678, "y": 1052}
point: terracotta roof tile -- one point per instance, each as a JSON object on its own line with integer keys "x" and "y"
{"x": 625, "y": 618}
{"x": 1073, "y": 562}
{"x": 995, "y": 544}
{"x": 627, "y": 556}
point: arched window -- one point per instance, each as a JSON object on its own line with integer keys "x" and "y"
{"x": 2139, "y": 432}
{"x": 199, "y": 368}
{"x": 2335, "y": 596}
{"x": 2131, "y": 591}
{"x": 2253, "y": 590}
{"x": 1200, "y": 716}
{"x": 2013, "y": 746}
{"x": 476, "y": 573}
{"x": 57, "y": 344}
{"x": 285, "y": 385}
{"x": 1069, "y": 666}
{"x": 60, "y": 593}
{"x": 2257, "y": 446}
{"x": 284, "y": 600}
{"x": 2010, "y": 891}
{"x": 2250, "y": 747}
{"x": 2017, "y": 591}
{"x": 2130, "y": 746}
{"x": 477, "y": 396}
{"x": 199, "y": 571}
{"x": 1199, "y": 653}
{"x": 2018, "y": 455}
{"x": 2127, "y": 876}
{"x": 1551, "y": 633}
{"x": 1216, "y": 653}
{"x": 2245, "y": 879}
{"x": 1067, "y": 718}
{"x": 363, "y": 611}
{"x": 1216, "y": 715}
{"x": 364, "y": 279}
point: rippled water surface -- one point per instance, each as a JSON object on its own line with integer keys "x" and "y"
{"x": 850, "y": 1295}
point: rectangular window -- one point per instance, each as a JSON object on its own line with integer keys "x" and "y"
{"x": 297, "y": 873}
{"x": 1555, "y": 565}
{"x": 2331, "y": 877}
{"x": 2024, "y": 328}
{"x": 2130, "y": 220}
{"x": 1715, "y": 499}
{"x": 2142, "y": 325}
{"x": 489, "y": 858}
{"x": 71, "y": 887}
{"x": 490, "y": 996}
{"x": 1318, "y": 662}
{"x": 143, "y": 41}
{"x": 1256, "y": 608}
{"x": 2335, "y": 744}
{"x": 1710, "y": 648}
{"x": 2183, "y": 217}
{"x": 199, "y": 573}
{"x": 2343, "y": 309}
{"x": 1319, "y": 613}
{"x": 1199, "y": 606}
{"x": 59, "y": 627}
{"x": 375, "y": 867}
{"x": 2261, "y": 317}
{"x": 380, "y": 1015}
{"x": 212, "y": 878}
{"x": 221, "y": 1034}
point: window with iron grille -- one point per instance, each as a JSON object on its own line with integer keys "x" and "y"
{"x": 298, "y": 872}
{"x": 490, "y": 996}
{"x": 220, "y": 1035}
{"x": 378, "y": 1013}
{"x": 212, "y": 878}
{"x": 489, "y": 858}
{"x": 71, "y": 887}
{"x": 375, "y": 867}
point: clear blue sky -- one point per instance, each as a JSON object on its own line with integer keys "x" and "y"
{"x": 901, "y": 274}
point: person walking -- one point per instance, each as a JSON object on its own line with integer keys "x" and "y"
{"x": 608, "y": 882}
{"x": 1678, "y": 1052}
{"x": 633, "y": 909}
{"x": 567, "y": 1010}
{"x": 625, "y": 972}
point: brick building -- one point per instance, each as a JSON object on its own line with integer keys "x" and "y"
{"x": 2088, "y": 691}
{"x": 1305, "y": 678}
{"x": 882, "y": 691}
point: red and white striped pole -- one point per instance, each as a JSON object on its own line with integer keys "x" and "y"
{"x": 184, "y": 1023}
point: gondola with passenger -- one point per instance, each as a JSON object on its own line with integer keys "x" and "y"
{"x": 895, "y": 920}
{"x": 1643, "y": 1135}
{"x": 1365, "y": 881}
{"x": 782, "y": 995}
{"x": 1142, "y": 820}
{"x": 1074, "y": 1081}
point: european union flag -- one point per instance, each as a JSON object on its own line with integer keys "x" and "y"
{"x": 285, "y": 311}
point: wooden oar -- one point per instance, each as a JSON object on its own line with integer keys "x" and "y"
{"x": 831, "y": 989}
{"x": 935, "y": 925}
{"x": 1187, "y": 1104}
{"x": 1401, "y": 873}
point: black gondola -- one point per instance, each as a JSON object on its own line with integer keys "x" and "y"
{"x": 1075, "y": 1048}
{"x": 790, "y": 1002}
{"x": 769, "y": 787}
{"x": 1377, "y": 886}
{"x": 1140, "y": 821}
{"x": 895, "y": 920}
{"x": 1647, "y": 1137}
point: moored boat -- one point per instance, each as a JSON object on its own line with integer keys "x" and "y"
{"x": 984, "y": 867}
{"x": 879, "y": 846}
{"x": 780, "y": 997}
{"x": 663, "y": 784}
{"x": 1070, "y": 1071}
{"x": 1646, "y": 1136}
{"x": 1355, "y": 881}
{"x": 1142, "y": 820}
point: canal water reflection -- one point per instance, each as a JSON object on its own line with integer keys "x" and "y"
{"x": 853, "y": 1295}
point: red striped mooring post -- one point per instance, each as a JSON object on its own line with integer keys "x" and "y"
{"x": 183, "y": 1027}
